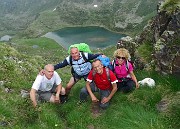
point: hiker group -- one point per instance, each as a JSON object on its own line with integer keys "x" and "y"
{"x": 98, "y": 72}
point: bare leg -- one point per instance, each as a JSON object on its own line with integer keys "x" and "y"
{"x": 52, "y": 99}
{"x": 63, "y": 92}
{"x": 70, "y": 85}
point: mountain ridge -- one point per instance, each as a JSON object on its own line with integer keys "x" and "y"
{"x": 19, "y": 15}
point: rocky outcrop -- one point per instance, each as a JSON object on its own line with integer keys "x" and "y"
{"x": 5, "y": 38}
{"x": 163, "y": 33}
{"x": 128, "y": 43}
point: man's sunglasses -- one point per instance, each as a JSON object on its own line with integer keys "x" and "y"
{"x": 118, "y": 57}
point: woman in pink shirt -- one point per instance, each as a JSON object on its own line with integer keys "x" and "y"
{"x": 123, "y": 70}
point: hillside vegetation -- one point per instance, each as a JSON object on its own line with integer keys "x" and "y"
{"x": 23, "y": 57}
{"x": 21, "y": 61}
{"x": 16, "y": 15}
{"x": 117, "y": 15}
{"x": 37, "y": 17}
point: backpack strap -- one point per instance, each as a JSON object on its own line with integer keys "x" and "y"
{"x": 127, "y": 65}
{"x": 83, "y": 56}
{"x": 93, "y": 73}
{"x": 70, "y": 60}
{"x": 113, "y": 64}
{"x": 107, "y": 73}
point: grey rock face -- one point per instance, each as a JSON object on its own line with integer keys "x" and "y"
{"x": 163, "y": 32}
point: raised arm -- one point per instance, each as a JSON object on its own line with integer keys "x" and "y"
{"x": 92, "y": 56}
{"x": 61, "y": 64}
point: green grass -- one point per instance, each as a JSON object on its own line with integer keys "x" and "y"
{"x": 46, "y": 48}
{"x": 136, "y": 110}
{"x": 145, "y": 51}
{"x": 122, "y": 113}
{"x": 171, "y": 5}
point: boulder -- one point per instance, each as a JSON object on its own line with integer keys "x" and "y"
{"x": 6, "y": 38}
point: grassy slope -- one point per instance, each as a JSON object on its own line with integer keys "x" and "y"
{"x": 135, "y": 110}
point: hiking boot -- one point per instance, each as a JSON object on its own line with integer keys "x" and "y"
{"x": 63, "y": 98}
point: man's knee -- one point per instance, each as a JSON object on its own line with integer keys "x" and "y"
{"x": 52, "y": 99}
{"x": 84, "y": 90}
{"x": 84, "y": 93}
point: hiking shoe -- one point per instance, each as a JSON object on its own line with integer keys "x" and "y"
{"x": 63, "y": 98}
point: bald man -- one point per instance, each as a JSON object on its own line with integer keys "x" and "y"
{"x": 47, "y": 86}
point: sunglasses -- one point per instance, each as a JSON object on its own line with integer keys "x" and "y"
{"x": 118, "y": 57}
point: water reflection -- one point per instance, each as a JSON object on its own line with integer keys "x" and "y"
{"x": 95, "y": 37}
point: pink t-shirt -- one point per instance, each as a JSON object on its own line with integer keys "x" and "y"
{"x": 121, "y": 71}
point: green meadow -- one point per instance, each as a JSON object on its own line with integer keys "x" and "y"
{"x": 21, "y": 60}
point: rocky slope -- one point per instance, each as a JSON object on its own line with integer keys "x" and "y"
{"x": 163, "y": 35}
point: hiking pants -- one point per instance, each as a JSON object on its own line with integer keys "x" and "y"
{"x": 126, "y": 86}
{"x": 103, "y": 93}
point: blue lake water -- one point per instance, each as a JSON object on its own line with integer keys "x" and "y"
{"x": 95, "y": 37}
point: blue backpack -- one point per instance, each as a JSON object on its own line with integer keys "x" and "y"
{"x": 105, "y": 61}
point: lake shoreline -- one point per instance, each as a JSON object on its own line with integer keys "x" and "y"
{"x": 96, "y": 37}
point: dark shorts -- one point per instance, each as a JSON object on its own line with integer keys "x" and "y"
{"x": 78, "y": 77}
{"x": 126, "y": 86}
{"x": 46, "y": 95}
